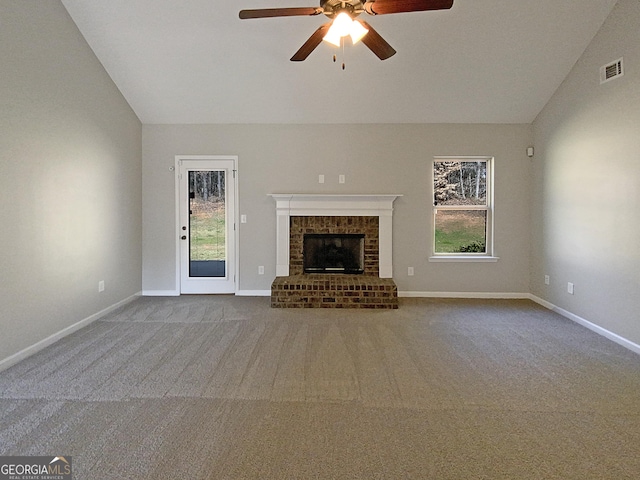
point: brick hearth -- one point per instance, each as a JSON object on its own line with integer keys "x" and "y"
{"x": 333, "y": 291}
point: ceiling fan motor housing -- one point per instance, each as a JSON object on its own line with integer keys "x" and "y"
{"x": 332, "y": 8}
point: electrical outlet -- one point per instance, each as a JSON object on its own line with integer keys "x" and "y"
{"x": 341, "y": 179}
{"x": 243, "y": 219}
{"x": 410, "y": 271}
{"x": 101, "y": 286}
{"x": 570, "y": 288}
{"x": 261, "y": 270}
{"x": 320, "y": 178}
{"x": 546, "y": 279}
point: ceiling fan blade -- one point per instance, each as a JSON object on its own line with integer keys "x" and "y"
{"x": 383, "y": 7}
{"x": 280, "y": 12}
{"x": 376, "y": 43}
{"x": 311, "y": 44}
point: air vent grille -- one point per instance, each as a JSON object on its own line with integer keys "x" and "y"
{"x": 611, "y": 70}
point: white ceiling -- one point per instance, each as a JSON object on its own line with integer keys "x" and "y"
{"x": 195, "y": 61}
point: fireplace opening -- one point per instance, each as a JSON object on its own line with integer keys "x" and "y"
{"x": 333, "y": 253}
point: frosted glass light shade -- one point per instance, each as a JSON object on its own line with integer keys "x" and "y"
{"x": 342, "y": 26}
{"x": 333, "y": 38}
{"x": 357, "y": 31}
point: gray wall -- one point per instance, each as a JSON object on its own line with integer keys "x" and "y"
{"x": 70, "y": 183}
{"x": 586, "y": 215}
{"x": 375, "y": 159}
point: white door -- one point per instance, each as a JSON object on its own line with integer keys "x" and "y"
{"x": 206, "y": 224}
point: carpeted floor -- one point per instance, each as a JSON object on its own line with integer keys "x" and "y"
{"x": 222, "y": 387}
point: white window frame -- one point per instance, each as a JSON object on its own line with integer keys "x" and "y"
{"x": 489, "y": 255}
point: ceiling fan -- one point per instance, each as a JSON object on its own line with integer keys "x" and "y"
{"x": 343, "y": 22}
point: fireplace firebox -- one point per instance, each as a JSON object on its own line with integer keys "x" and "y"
{"x": 333, "y": 253}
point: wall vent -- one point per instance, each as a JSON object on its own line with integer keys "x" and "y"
{"x": 611, "y": 70}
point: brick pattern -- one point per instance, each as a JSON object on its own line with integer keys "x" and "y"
{"x": 300, "y": 290}
{"x": 334, "y": 291}
{"x": 335, "y": 225}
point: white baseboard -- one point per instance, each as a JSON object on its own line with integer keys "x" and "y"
{"x": 542, "y": 302}
{"x": 410, "y": 294}
{"x": 175, "y": 293}
{"x": 36, "y": 347}
{"x": 628, "y": 344}
{"x": 253, "y": 293}
{"x": 160, "y": 293}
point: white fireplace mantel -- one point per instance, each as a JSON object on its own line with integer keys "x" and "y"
{"x": 326, "y": 205}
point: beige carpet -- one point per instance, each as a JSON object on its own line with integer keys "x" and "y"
{"x": 219, "y": 387}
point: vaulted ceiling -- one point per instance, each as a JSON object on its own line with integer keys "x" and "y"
{"x": 195, "y": 61}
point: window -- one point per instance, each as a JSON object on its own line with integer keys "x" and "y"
{"x": 462, "y": 209}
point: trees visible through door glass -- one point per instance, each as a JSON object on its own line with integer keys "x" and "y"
{"x": 207, "y": 219}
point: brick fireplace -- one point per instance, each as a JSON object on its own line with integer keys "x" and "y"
{"x": 366, "y": 216}
{"x": 300, "y": 227}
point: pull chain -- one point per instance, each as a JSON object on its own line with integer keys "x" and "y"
{"x": 335, "y": 57}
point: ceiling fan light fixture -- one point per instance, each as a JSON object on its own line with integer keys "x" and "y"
{"x": 342, "y": 14}
{"x": 342, "y": 26}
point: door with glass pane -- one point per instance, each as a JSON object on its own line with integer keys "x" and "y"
{"x": 207, "y": 224}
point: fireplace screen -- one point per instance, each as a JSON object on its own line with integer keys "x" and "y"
{"x": 333, "y": 253}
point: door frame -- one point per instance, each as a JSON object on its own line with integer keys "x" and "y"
{"x": 177, "y": 231}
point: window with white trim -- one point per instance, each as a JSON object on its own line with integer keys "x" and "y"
{"x": 462, "y": 209}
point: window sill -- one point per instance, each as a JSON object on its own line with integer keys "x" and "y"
{"x": 463, "y": 258}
